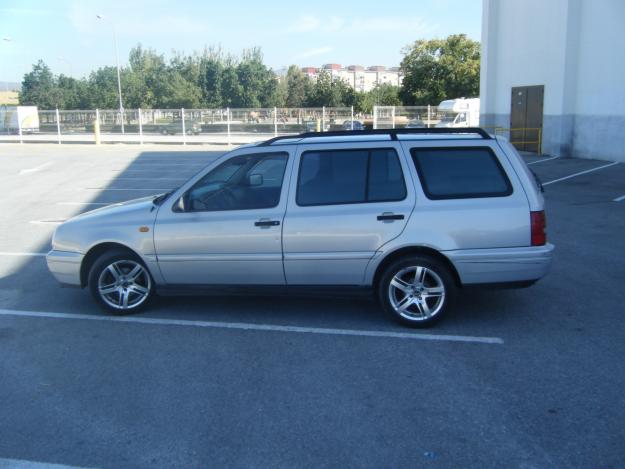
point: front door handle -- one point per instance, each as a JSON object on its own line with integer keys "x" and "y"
{"x": 390, "y": 216}
{"x": 267, "y": 223}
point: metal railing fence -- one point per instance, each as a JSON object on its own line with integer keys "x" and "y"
{"x": 222, "y": 126}
{"x": 231, "y": 126}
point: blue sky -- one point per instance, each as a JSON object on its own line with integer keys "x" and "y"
{"x": 67, "y": 35}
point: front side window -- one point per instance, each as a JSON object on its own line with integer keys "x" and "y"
{"x": 456, "y": 173}
{"x": 241, "y": 183}
{"x": 350, "y": 176}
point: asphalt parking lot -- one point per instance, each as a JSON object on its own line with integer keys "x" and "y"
{"x": 515, "y": 378}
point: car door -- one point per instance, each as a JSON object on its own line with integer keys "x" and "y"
{"x": 344, "y": 204}
{"x": 225, "y": 226}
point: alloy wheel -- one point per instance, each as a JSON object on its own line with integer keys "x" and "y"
{"x": 124, "y": 284}
{"x": 416, "y": 293}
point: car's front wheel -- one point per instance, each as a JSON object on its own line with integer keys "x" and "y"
{"x": 416, "y": 291}
{"x": 120, "y": 282}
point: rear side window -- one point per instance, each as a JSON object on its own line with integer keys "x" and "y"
{"x": 458, "y": 173}
{"x": 350, "y": 177}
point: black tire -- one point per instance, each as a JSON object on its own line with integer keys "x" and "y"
{"x": 417, "y": 304}
{"x": 124, "y": 287}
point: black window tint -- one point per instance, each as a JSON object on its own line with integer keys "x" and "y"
{"x": 240, "y": 183}
{"x": 386, "y": 181}
{"x": 350, "y": 176}
{"x": 452, "y": 173}
{"x": 332, "y": 177}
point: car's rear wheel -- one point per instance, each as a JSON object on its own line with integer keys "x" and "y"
{"x": 417, "y": 291}
{"x": 120, "y": 282}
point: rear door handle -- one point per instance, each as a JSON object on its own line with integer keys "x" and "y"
{"x": 390, "y": 216}
{"x": 267, "y": 223}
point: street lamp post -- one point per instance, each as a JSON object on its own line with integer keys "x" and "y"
{"x": 119, "y": 81}
{"x": 6, "y": 83}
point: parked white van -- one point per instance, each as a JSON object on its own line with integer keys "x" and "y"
{"x": 461, "y": 112}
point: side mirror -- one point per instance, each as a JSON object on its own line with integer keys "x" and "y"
{"x": 255, "y": 180}
{"x": 179, "y": 205}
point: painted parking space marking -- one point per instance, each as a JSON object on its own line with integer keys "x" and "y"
{"x": 85, "y": 203}
{"x": 129, "y": 189}
{"x": 619, "y": 199}
{"x": 257, "y": 327}
{"x": 155, "y": 178}
{"x": 26, "y": 464}
{"x": 35, "y": 169}
{"x": 23, "y": 254}
{"x": 46, "y": 222}
{"x": 580, "y": 173}
{"x": 542, "y": 161}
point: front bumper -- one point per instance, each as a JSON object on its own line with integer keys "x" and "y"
{"x": 65, "y": 266}
{"x": 502, "y": 265}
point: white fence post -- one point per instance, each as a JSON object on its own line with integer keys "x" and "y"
{"x": 275, "y": 121}
{"x": 352, "y": 117}
{"x": 323, "y": 118}
{"x": 140, "y": 127}
{"x": 58, "y": 126}
{"x": 184, "y": 130}
{"x": 429, "y": 115}
{"x": 393, "y": 115}
{"x": 19, "y": 125}
{"x": 228, "y": 123}
{"x": 375, "y": 117}
{"x": 96, "y": 127}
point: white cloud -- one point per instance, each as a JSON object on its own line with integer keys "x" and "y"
{"x": 305, "y": 24}
{"x": 314, "y": 52}
{"x": 416, "y": 25}
{"x": 336, "y": 24}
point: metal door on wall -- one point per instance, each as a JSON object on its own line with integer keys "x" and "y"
{"x": 526, "y": 117}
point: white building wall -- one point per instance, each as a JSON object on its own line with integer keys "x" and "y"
{"x": 574, "y": 49}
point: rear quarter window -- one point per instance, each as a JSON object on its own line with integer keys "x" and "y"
{"x": 458, "y": 173}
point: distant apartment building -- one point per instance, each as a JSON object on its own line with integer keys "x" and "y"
{"x": 358, "y": 77}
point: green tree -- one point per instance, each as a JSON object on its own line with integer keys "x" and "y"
{"x": 74, "y": 93}
{"x": 210, "y": 82}
{"x": 298, "y": 87}
{"x": 258, "y": 82}
{"x": 102, "y": 86}
{"x": 178, "y": 92}
{"x": 231, "y": 89}
{"x": 331, "y": 92}
{"x": 381, "y": 95}
{"x": 39, "y": 88}
{"x": 440, "y": 69}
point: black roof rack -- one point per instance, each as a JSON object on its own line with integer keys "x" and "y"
{"x": 392, "y": 132}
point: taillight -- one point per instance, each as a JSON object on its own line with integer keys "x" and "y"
{"x": 539, "y": 223}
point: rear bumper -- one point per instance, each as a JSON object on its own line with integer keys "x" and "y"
{"x": 65, "y": 266}
{"x": 501, "y": 265}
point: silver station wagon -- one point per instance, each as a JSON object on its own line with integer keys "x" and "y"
{"x": 413, "y": 215}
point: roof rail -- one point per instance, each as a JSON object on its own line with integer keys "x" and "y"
{"x": 391, "y": 132}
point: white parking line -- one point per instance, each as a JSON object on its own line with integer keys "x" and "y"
{"x": 46, "y": 222}
{"x": 258, "y": 327}
{"x": 84, "y": 203}
{"x": 36, "y": 168}
{"x": 23, "y": 254}
{"x": 619, "y": 199}
{"x": 25, "y": 464}
{"x": 580, "y": 173}
{"x": 129, "y": 189}
{"x": 155, "y": 178}
{"x": 542, "y": 161}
